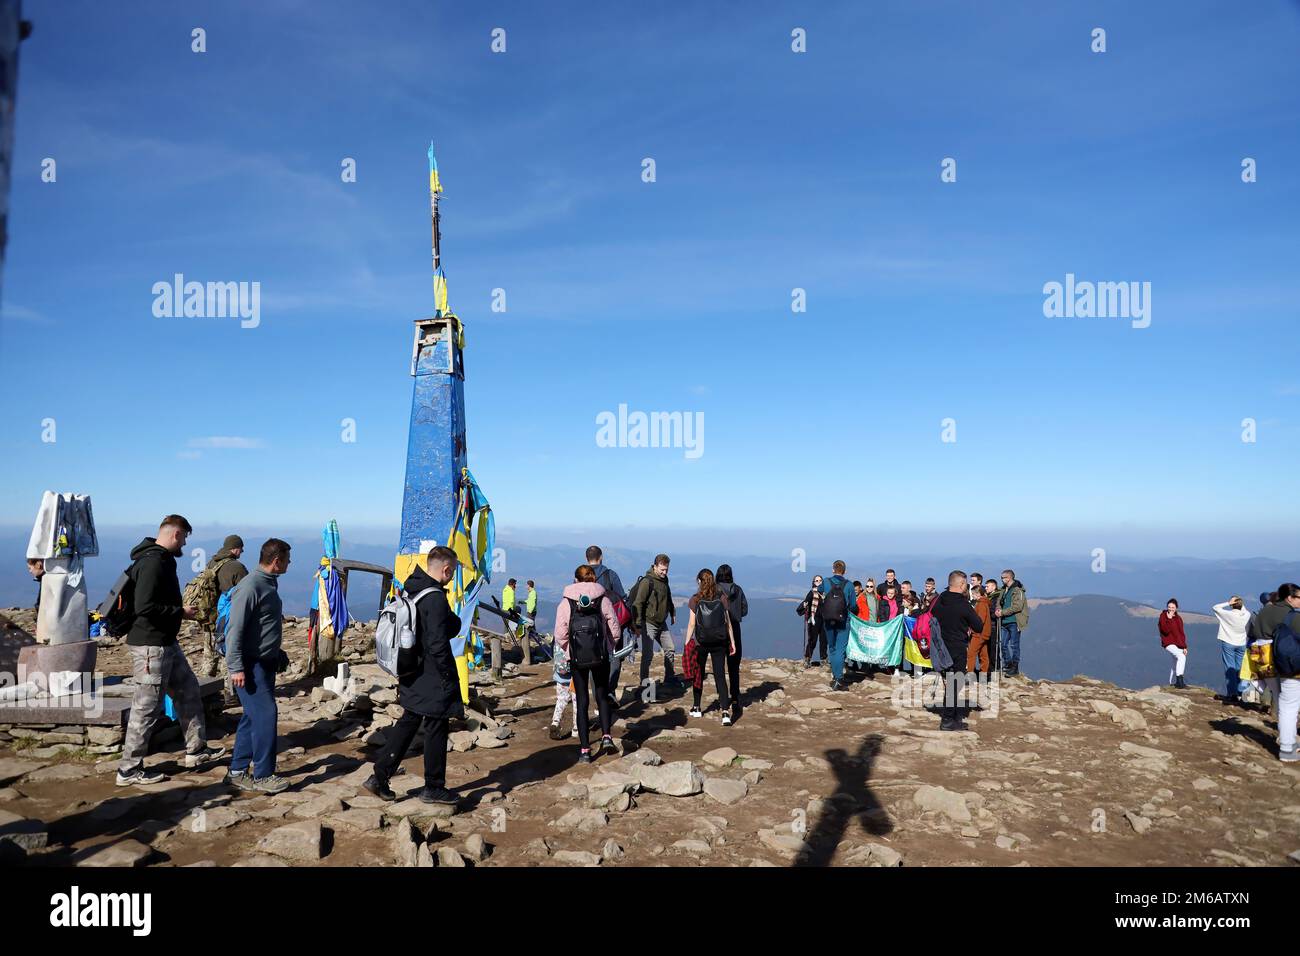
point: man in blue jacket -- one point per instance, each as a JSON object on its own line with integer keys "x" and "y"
{"x": 838, "y": 600}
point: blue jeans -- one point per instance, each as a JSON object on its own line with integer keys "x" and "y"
{"x": 1010, "y": 644}
{"x": 1232, "y": 658}
{"x": 255, "y": 736}
{"x": 837, "y": 642}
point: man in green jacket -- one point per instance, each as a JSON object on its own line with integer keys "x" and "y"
{"x": 1013, "y": 617}
{"x": 652, "y": 607}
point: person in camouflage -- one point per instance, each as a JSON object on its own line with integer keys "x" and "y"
{"x": 229, "y": 572}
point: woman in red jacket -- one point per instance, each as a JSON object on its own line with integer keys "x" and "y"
{"x": 1174, "y": 640}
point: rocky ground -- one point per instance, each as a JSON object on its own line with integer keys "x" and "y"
{"x": 1077, "y": 773}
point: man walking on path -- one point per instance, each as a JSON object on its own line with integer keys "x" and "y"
{"x": 229, "y": 571}
{"x": 652, "y": 608}
{"x": 608, "y": 578}
{"x": 254, "y": 656}
{"x": 157, "y": 664}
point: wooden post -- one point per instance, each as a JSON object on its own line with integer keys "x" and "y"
{"x": 496, "y": 658}
{"x": 527, "y": 642}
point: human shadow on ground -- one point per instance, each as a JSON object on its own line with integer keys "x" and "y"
{"x": 852, "y": 799}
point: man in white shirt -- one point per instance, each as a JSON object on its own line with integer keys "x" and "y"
{"x": 1233, "y": 620}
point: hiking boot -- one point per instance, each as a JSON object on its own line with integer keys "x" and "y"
{"x": 379, "y": 788}
{"x": 206, "y": 755}
{"x": 439, "y": 795}
{"x": 696, "y": 712}
{"x": 1289, "y": 756}
{"x": 139, "y": 777}
{"x": 807, "y": 663}
{"x": 584, "y": 756}
{"x": 1180, "y": 684}
{"x": 555, "y": 733}
{"x": 269, "y": 784}
{"x": 607, "y": 745}
{"x": 726, "y": 720}
{"x": 240, "y": 779}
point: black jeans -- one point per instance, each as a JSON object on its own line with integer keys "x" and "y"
{"x": 400, "y": 736}
{"x": 954, "y": 689}
{"x": 719, "y": 656}
{"x": 813, "y": 633}
{"x": 733, "y": 664}
{"x": 599, "y": 675}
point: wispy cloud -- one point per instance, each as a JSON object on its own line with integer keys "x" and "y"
{"x": 225, "y": 441}
{"x": 20, "y": 313}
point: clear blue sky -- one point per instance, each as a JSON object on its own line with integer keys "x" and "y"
{"x": 775, "y": 170}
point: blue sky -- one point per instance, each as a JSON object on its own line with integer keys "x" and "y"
{"x": 775, "y": 170}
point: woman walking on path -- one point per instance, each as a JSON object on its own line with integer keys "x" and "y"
{"x": 585, "y": 625}
{"x": 710, "y": 627}
{"x": 1174, "y": 640}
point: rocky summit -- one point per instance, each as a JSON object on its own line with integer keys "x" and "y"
{"x": 1048, "y": 774}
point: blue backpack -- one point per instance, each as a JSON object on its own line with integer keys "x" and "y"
{"x": 1286, "y": 648}
{"x": 223, "y": 619}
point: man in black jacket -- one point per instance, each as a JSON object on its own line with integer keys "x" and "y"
{"x": 956, "y": 620}
{"x": 157, "y": 663}
{"x": 430, "y": 693}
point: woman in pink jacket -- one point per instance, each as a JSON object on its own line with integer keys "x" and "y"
{"x": 1174, "y": 640}
{"x": 585, "y": 625}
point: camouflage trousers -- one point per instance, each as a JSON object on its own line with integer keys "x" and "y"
{"x": 161, "y": 671}
{"x": 213, "y": 662}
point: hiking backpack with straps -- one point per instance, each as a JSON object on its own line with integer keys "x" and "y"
{"x": 587, "y": 646}
{"x": 1286, "y": 648}
{"x": 395, "y": 633}
{"x": 117, "y": 611}
{"x": 710, "y": 622}
{"x": 621, "y": 609}
{"x": 834, "y": 607}
{"x": 201, "y": 593}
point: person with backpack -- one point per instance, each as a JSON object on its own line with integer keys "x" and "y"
{"x": 585, "y": 625}
{"x": 1233, "y": 621}
{"x": 956, "y": 618}
{"x": 1279, "y": 622}
{"x": 429, "y": 688}
{"x": 737, "y": 608}
{"x": 254, "y": 656}
{"x": 837, "y": 593}
{"x": 157, "y": 664}
{"x": 1012, "y": 614}
{"x": 226, "y": 571}
{"x": 711, "y": 629}
{"x": 608, "y": 578}
{"x": 652, "y": 608}
{"x": 1174, "y": 640}
{"x": 814, "y": 632}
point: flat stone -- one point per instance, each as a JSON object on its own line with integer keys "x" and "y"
{"x": 783, "y": 843}
{"x": 21, "y": 831}
{"x": 216, "y": 818}
{"x": 679, "y": 778}
{"x": 462, "y": 740}
{"x": 696, "y": 847}
{"x": 488, "y": 739}
{"x": 1137, "y": 750}
{"x": 612, "y": 852}
{"x": 358, "y": 818}
{"x": 576, "y": 858}
{"x": 754, "y": 763}
{"x": 582, "y": 820}
{"x": 643, "y": 756}
{"x": 259, "y": 860}
{"x": 812, "y": 705}
{"x": 1005, "y": 842}
{"x": 874, "y": 854}
{"x": 722, "y": 757}
{"x": 321, "y": 806}
{"x": 1203, "y": 783}
{"x": 1140, "y": 824}
{"x": 1129, "y": 719}
{"x": 940, "y": 800}
{"x": 726, "y": 791}
{"x": 301, "y": 842}
{"x": 448, "y": 856}
{"x": 122, "y": 853}
{"x": 60, "y": 773}
{"x": 406, "y": 843}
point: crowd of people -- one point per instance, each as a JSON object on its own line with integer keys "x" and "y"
{"x": 598, "y": 625}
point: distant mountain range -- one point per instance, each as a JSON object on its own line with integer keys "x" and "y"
{"x": 1076, "y": 631}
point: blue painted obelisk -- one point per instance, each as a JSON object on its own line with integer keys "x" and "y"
{"x": 435, "y": 451}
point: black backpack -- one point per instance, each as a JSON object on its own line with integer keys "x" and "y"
{"x": 835, "y": 609}
{"x": 710, "y": 623}
{"x": 587, "y": 646}
{"x": 117, "y": 612}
